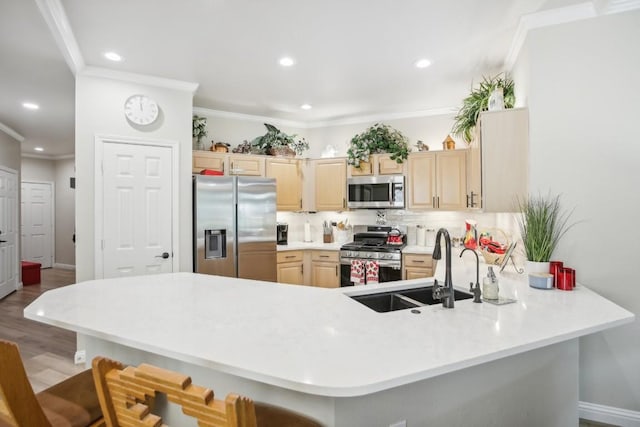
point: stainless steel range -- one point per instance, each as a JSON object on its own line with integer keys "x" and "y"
{"x": 380, "y": 244}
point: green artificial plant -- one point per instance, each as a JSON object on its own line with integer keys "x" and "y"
{"x": 379, "y": 138}
{"x": 478, "y": 101}
{"x": 542, "y": 224}
{"x": 274, "y": 140}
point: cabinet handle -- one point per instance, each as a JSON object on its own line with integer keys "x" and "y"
{"x": 324, "y": 256}
{"x": 302, "y": 268}
{"x": 344, "y": 203}
{"x": 438, "y": 199}
{"x": 336, "y": 270}
{"x": 290, "y": 256}
{"x": 301, "y": 203}
{"x": 433, "y": 202}
{"x": 468, "y": 201}
{"x": 418, "y": 260}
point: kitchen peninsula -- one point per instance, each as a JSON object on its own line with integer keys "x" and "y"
{"x": 322, "y": 353}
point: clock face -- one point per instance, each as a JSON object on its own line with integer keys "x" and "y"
{"x": 141, "y": 109}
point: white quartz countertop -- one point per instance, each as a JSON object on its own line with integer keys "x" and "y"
{"x": 317, "y": 340}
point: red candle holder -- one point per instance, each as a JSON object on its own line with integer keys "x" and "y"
{"x": 554, "y": 268}
{"x": 566, "y": 278}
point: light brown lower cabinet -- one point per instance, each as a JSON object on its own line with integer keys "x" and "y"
{"x": 291, "y": 267}
{"x": 325, "y": 269}
{"x": 417, "y": 266}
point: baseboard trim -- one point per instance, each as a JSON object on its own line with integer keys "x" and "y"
{"x": 608, "y": 414}
{"x": 64, "y": 266}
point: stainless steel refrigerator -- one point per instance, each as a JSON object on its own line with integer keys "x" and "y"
{"x": 234, "y": 226}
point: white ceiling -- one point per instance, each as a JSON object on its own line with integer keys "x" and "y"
{"x": 354, "y": 58}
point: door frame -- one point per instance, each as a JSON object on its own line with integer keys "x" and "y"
{"x": 16, "y": 226}
{"x": 99, "y": 142}
{"x": 52, "y": 214}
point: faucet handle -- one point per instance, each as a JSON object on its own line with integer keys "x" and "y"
{"x": 435, "y": 291}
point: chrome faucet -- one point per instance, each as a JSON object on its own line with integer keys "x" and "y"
{"x": 445, "y": 293}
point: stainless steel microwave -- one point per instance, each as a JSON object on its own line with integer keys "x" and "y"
{"x": 375, "y": 192}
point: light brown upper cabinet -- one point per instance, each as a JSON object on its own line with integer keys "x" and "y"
{"x": 246, "y": 165}
{"x": 437, "y": 180}
{"x": 498, "y": 160}
{"x": 208, "y": 160}
{"x": 288, "y": 182}
{"x": 379, "y": 164}
{"x": 330, "y": 177}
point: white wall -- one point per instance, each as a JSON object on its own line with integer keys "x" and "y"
{"x": 583, "y": 103}
{"x": 99, "y": 110}
{"x": 9, "y": 152}
{"x": 34, "y": 169}
{"x": 431, "y": 130}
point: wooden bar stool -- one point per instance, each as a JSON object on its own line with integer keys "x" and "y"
{"x": 126, "y": 395}
{"x": 70, "y": 403}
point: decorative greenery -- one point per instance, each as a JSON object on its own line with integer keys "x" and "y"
{"x": 379, "y": 138}
{"x": 477, "y": 101}
{"x": 199, "y": 128}
{"x": 542, "y": 224}
{"x": 275, "y": 139}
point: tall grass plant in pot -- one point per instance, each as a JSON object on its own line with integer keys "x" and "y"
{"x": 542, "y": 224}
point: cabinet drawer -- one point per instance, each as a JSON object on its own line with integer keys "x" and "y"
{"x": 325, "y": 256}
{"x": 290, "y": 256}
{"x": 418, "y": 260}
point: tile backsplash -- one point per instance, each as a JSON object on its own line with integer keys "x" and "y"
{"x": 453, "y": 221}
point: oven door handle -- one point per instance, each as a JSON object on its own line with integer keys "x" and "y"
{"x": 381, "y": 263}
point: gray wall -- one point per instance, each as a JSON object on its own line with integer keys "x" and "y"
{"x": 583, "y": 100}
{"x": 99, "y": 110}
{"x": 9, "y": 152}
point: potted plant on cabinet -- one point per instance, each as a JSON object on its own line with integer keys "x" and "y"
{"x": 542, "y": 224}
{"x": 277, "y": 143}
{"x": 379, "y": 138}
{"x": 478, "y": 101}
{"x": 199, "y": 131}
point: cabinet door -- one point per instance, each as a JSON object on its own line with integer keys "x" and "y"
{"x": 421, "y": 181}
{"x": 207, "y": 160}
{"x": 331, "y": 184}
{"x": 288, "y": 183}
{"x": 246, "y": 165}
{"x": 291, "y": 272}
{"x": 365, "y": 168}
{"x": 504, "y": 142}
{"x": 451, "y": 180}
{"x": 386, "y": 166}
{"x": 417, "y": 273}
{"x": 325, "y": 274}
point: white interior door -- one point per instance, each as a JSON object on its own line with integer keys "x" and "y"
{"x": 37, "y": 222}
{"x": 9, "y": 264}
{"x": 137, "y": 204}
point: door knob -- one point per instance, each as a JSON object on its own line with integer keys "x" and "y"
{"x": 3, "y": 241}
{"x": 164, "y": 255}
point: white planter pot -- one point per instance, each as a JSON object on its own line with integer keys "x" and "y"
{"x": 537, "y": 267}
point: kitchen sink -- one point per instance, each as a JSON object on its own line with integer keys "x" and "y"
{"x": 383, "y": 302}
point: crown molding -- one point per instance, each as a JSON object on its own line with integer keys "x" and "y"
{"x": 383, "y": 117}
{"x": 546, "y": 18}
{"x": 142, "y": 79}
{"x": 249, "y": 117}
{"x": 56, "y": 18}
{"x": 46, "y": 157}
{"x": 324, "y": 123}
{"x": 12, "y": 133}
{"x": 609, "y": 7}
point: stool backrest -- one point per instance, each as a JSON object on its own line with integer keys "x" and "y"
{"x": 18, "y": 403}
{"x": 126, "y": 393}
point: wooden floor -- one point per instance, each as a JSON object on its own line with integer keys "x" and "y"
{"x": 46, "y": 351}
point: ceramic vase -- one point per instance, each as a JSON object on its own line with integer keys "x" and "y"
{"x": 496, "y": 100}
{"x": 537, "y": 267}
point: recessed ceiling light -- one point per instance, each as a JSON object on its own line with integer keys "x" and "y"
{"x": 39, "y": 149}
{"x": 112, "y": 56}
{"x": 30, "y": 106}
{"x": 305, "y": 107}
{"x": 422, "y": 63}
{"x": 286, "y": 61}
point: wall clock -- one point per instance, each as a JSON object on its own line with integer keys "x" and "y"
{"x": 141, "y": 110}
